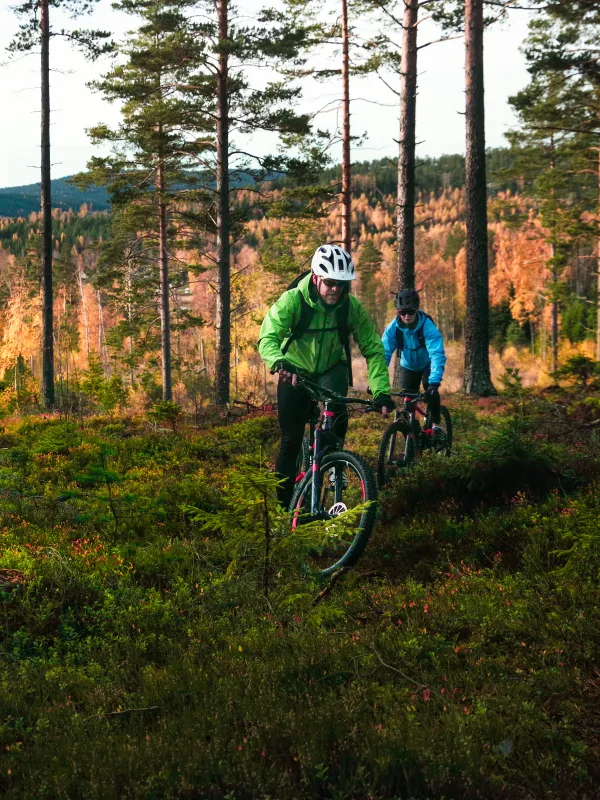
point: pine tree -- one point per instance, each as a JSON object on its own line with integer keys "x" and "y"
{"x": 477, "y": 378}
{"x": 406, "y": 159}
{"x": 168, "y": 113}
{"x": 469, "y": 16}
{"x": 562, "y": 103}
{"x": 35, "y": 30}
{"x": 547, "y": 162}
{"x": 275, "y": 40}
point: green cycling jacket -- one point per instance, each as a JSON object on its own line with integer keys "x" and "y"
{"x": 320, "y": 348}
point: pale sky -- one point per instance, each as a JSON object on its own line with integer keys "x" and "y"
{"x": 440, "y": 125}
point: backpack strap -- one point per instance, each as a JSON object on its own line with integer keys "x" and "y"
{"x": 303, "y": 324}
{"x": 420, "y": 336}
{"x": 399, "y": 340}
{"x": 421, "y": 332}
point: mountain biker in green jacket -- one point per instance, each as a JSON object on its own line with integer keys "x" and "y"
{"x": 318, "y": 351}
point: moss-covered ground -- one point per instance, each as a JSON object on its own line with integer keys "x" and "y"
{"x": 140, "y": 657}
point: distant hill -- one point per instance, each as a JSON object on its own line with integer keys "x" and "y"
{"x": 19, "y": 201}
{"x": 433, "y": 174}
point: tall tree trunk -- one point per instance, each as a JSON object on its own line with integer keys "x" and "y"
{"x": 129, "y": 316}
{"x": 223, "y": 320}
{"x": 406, "y": 159}
{"x": 103, "y": 355}
{"x": 477, "y": 378}
{"x": 46, "y": 202}
{"x": 86, "y": 324}
{"x": 554, "y": 272}
{"x": 346, "y": 167}
{"x": 554, "y": 328}
{"x": 598, "y": 265}
{"x": 165, "y": 310}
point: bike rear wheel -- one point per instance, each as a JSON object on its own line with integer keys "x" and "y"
{"x": 346, "y": 482}
{"x": 397, "y": 451}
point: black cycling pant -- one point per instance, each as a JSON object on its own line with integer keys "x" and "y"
{"x": 411, "y": 381}
{"x": 293, "y": 409}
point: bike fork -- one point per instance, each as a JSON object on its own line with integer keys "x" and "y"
{"x": 316, "y": 489}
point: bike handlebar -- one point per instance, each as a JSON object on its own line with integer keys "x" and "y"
{"x": 410, "y": 395}
{"x": 315, "y": 389}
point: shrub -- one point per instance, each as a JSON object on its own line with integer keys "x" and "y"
{"x": 579, "y": 368}
{"x": 165, "y": 411}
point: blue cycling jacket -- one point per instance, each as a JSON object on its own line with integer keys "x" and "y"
{"x": 413, "y": 355}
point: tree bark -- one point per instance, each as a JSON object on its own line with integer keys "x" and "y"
{"x": 477, "y": 379}
{"x": 346, "y": 166}
{"x": 598, "y": 265}
{"x": 165, "y": 310}
{"x": 554, "y": 318}
{"x": 86, "y": 324}
{"x": 129, "y": 316}
{"x": 406, "y": 159}
{"x": 101, "y": 337}
{"x": 554, "y": 272}
{"x": 223, "y": 313}
{"x": 46, "y": 207}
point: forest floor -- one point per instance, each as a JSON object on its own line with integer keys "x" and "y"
{"x": 141, "y": 658}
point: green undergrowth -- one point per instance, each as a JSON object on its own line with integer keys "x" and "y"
{"x": 163, "y": 641}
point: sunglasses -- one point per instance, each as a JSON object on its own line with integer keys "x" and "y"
{"x": 333, "y": 284}
{"x": 407, "y": 312}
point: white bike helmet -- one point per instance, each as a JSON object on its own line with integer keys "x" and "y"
{"x": 330, "y": 261}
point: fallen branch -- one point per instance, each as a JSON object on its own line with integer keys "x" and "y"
{"x": 327, "y": 590}
{"x": 121, "y": 713}
{"x": 399, "y": 671}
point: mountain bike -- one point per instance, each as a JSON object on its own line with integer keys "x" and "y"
{"x": 404, "y": 440}
{"x": 336, "y": 481}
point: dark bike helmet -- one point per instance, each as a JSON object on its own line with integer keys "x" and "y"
{"x": 407, "y": 298}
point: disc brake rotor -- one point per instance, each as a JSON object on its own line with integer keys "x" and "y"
{"x": 337, "y": 509}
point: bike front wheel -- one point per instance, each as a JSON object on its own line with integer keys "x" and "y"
{"x": 303, "y": 461}
{"x": 445, "y": 448}
{"x": 397, "y": 451}
{"x": 447, "y": 426}
{"x": 346, "y": 482}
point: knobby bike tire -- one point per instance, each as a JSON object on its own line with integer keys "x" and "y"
{"x": 448, "y": 420}
{"x": 304, "y": 456}
{"x": 345, "y": 552}
{"x": 395, "y": 451}
{"x": 447, "y": 426}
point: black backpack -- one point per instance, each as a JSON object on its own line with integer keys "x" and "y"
{"x": 420, "y": 336}
{"x": 306, "y": 315}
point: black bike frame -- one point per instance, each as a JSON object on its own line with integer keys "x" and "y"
{"x": 317, "y": 451}
{"x": 316, "y": 434}
{"x": 411, "y": 409}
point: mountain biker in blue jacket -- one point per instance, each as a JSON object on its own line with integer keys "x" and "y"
{"x": 421, "y": 350}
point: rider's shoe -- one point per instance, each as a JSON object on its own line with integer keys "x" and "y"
{"x": 439, "y": 440}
